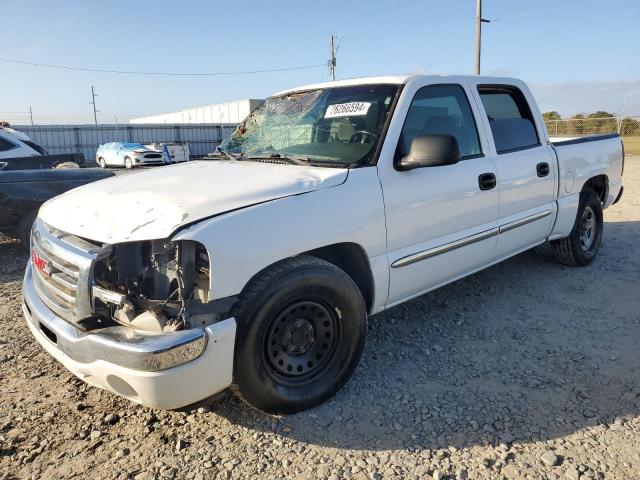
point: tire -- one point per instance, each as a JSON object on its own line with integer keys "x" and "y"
{"x": 583, "y": 243}
{"x": 102, "y": 163}
{"x": 24, "y": 229}
{"x": 302, "y": 325}
{"x": 127, "y": 163}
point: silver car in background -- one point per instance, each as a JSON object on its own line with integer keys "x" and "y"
{"x": 128, "y": 155}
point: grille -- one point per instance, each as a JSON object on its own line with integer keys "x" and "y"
{"x": 58, "y": 285}
{"x": 63, "y": 270}
{"x": 153, "y": 155}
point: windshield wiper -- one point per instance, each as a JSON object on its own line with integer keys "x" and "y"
{"x": 294, "y": 160}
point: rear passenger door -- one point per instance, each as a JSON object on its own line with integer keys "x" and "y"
{"x": 525, "y": 165}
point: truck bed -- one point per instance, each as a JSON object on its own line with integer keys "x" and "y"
{"x": 580, "y": 159}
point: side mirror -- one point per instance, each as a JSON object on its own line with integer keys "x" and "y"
{"x": 431, "y": 151}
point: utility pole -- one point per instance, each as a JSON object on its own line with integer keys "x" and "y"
{"x": 332, "y": 59}
{"x": 31, "y": 115}
{"x": 93, "y": 102}
{"x": 479, "y": 22}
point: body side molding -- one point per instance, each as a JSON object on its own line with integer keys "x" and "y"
{"x": 463, "y": 242}
{"x": 447, "y": 247}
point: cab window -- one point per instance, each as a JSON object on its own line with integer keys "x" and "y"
{"x": 510, "y": 118}
{"x": 441, "y": 110}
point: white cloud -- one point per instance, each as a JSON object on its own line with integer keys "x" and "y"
{"x": 571, "y": 97}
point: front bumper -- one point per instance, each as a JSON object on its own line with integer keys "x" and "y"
{"x": 149, "y": 161}
{"x": 166, "y": 371}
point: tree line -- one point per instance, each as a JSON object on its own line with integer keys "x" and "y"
{"x": 596, "y": 122}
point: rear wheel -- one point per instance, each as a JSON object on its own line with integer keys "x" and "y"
{"x": 583, "y": 243}
{"x": 128, "y": 164}
{"x": 301, "y": 331}
{"x": 102, "y": 163}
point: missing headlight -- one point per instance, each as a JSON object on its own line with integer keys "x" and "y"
{"x": 154, "y": 286}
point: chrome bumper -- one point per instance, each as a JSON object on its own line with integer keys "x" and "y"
{"x": 116, "y": 345}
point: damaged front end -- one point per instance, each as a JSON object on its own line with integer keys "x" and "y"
{"x": 156, "y": 286}
{"x": 133, "y": 318}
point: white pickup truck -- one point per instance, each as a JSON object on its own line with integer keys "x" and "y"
{"x": 332, "y": 202}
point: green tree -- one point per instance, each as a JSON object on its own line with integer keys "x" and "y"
{"x": 550, "y": 116}
{"x": 630, "y": 127}
{"x": 601, "y": 114}
{"x": 601, "y": 122}
{"x": 577, "y": 125}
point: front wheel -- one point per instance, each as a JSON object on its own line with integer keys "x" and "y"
{"x": 302, "y": 325}
{"x": 127, "y": 163}
{"x": 102, "y": 163}
{"x": 583, "y": 243}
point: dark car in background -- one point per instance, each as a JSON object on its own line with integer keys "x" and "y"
{"x": 22, "y": 192}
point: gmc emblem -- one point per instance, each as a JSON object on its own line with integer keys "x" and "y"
{"x": 40, "y": 263}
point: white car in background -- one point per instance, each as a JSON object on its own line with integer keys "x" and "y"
{"x": 128, "y": 155}
{"x": 14, "y": 144}
{"x": 174, "y": 152}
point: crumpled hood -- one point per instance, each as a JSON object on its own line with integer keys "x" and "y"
{"x": 154, "y": 203}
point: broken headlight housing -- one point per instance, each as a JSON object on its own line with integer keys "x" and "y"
{"x": 157, "y": 285}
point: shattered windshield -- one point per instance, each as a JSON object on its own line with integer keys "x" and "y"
{"x": 335, "y": 125}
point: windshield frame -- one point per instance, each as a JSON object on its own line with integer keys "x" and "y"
{"x": 372, "y": 159}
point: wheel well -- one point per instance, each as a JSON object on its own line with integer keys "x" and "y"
{"x": 350, "y": 258}
{"x": 600, "y": 185}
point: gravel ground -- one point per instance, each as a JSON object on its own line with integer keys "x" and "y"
{"x": 526, "y": 370}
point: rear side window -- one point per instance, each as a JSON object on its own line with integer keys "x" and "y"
{"x": 6, "y": 145}
{"x": 441, "y": 110}
{"x": 510, "y": 118}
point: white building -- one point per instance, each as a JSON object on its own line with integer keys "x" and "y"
{"x": 230, "y": 112}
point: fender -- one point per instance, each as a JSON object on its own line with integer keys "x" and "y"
{"x": 245, "y": 241}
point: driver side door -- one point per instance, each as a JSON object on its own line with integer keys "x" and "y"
{"x": 441, "y": 220}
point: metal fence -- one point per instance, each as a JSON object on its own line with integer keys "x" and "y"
{"x": 202, "y": 138}
{"x": 627, "y": 127}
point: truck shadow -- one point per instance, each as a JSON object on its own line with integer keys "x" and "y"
{"x": 526, "y": 350}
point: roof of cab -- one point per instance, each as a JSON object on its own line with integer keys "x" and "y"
{"x": 390, "y": 79}
{"x": 395, "y": 79}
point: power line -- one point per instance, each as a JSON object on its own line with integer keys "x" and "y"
{"x": 549, "y": 10}
{"x": 171, "y": 74}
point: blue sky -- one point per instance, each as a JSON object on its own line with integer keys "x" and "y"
{"x": 579, "y": 58}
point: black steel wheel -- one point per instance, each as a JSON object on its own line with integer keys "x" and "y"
{"x": 301, "y": 341}
{"x": 583, "y": 243}
{"x": 301, "y": 330}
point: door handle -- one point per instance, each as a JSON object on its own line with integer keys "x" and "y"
{"x": 487, "y": 181}
{"x": 542, "y": 169}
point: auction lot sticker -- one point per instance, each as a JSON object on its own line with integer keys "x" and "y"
{"x": 347, "y": 109}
